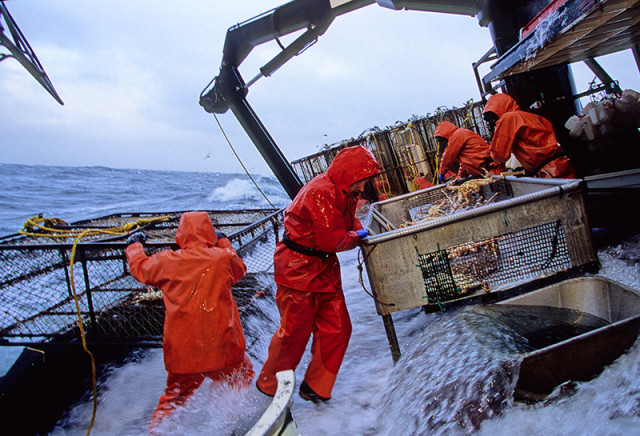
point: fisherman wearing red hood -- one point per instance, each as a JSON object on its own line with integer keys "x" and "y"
{"x": 466, "y": 147}
{"x": 203, "y": 335}
{"x": 528, "y": 136}
{"x": 318, "y": 223}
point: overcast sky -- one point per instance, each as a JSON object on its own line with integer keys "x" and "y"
{"x": 130, "y": 74}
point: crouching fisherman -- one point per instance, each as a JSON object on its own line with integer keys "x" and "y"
{"x": 203, "y": 335}
{"x": 528, "y": 136}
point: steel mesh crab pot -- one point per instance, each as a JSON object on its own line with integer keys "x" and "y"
{"x": 480, "y": 241}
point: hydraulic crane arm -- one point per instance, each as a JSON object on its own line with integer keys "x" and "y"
{"x": 228, "y": 89}
{"x": 313, "y": 15}
{"x": 19, "y": 49}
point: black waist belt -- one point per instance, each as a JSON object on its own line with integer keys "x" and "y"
{"x": 547, "y": 161}
{"x": 304, "y": 250}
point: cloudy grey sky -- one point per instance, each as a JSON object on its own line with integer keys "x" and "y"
{"x": 131, "y": 72}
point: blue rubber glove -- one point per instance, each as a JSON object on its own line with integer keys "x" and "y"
{"x": 441, "y": 178}
{"x": 362, "y": 233}
{"x": 136, "y": 237}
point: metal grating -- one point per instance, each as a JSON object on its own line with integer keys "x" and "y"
{"x": 539, "y": 250}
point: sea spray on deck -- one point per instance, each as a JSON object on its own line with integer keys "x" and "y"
{"x": 138, "y": 382}
{"x": 461, "y": 368}
{"x": 447, "y": 382}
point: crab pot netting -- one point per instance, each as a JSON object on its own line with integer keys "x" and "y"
{"x": 450, "y": 273}
{"x": 35, "y": 277}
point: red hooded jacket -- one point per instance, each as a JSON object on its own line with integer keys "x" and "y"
{"x": 322, "y": 217}
{"x": 465, "y": 146}
{"x": 202, "y": 329}
{"x": 529, "y": 137}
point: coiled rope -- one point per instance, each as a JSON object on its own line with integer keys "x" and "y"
{"x": 46, "y": 225}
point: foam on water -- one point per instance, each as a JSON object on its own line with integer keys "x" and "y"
{"x": 239, "y": 193}
{"x": 446, "y": 382}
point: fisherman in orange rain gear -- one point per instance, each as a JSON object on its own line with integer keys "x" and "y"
{"x": 467, "y": 148}
{"x": 383, "y": 189}
{"x": 203, "y": 335}
{"x": 421, "y": 182}
{"x": 528, "y": 136}
{"x": 318, "y": 223}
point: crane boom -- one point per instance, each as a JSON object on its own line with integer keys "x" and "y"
{"x": 19, "y": 49}
{"x": 228, "y": 90}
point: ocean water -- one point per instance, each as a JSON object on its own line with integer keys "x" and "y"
{"x": 443, "y": 384}
{"x": 75, "y": 193}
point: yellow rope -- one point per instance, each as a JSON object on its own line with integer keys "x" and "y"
{"x": 386, "y": 186}
{"x": 435, "y": 176}
{"x": 37, "y": 222}
{"x": 469, "y": 106}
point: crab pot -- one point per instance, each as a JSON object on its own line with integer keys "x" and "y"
{"x": 42, "y": 300}
{"x": 511, "y": 231}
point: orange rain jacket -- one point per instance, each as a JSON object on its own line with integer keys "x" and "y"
{"x": 529, "y": 137}
{"x": 322, "y": 217}
{"x": 467, "y": 147}
{"x": 202, "y": 329}
{"x": 309, "y": 296}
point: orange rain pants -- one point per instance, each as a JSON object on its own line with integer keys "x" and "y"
{"x": 180, "y": 387}
{"x": 302, "y": 313}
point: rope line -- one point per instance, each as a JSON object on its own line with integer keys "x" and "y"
{"x": 361, "y": 280}
{"x": 239, "y": 160}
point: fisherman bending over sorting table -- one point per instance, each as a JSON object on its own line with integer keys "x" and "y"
{"x": 203, "y": 335}
{"x": 467, "y": 148}
{"x": 318, "y": 223}
{"x": 528, "y": 136}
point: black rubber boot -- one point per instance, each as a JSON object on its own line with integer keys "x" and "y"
{"x": 308, "y": 394}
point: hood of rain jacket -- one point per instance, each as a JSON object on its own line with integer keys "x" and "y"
{"x": 195, "y": 230}
{"x": 322, "y": 217}
{"x": 202, "y": 329}
{"x": 530, "y": 137}
{"x": 445, "y": 129}
{"x": 500, "y": 104}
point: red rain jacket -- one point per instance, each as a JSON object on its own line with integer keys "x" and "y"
{"x": 202, "y": 329}
{"x": 465, "y": 146}
{"x": 529, "y": 137}
{"x": 322, "y": 217}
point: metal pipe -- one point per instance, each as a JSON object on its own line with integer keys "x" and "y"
{"x": 636, "y": 55}
{"x": 87, "y": 287}
{"x": 382, "y": 219}
{"x": 461, "y": 7}
{"x": 263, "y": 141}
{"x": 611, "y": 85}
{"x": 391, "y": 337}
